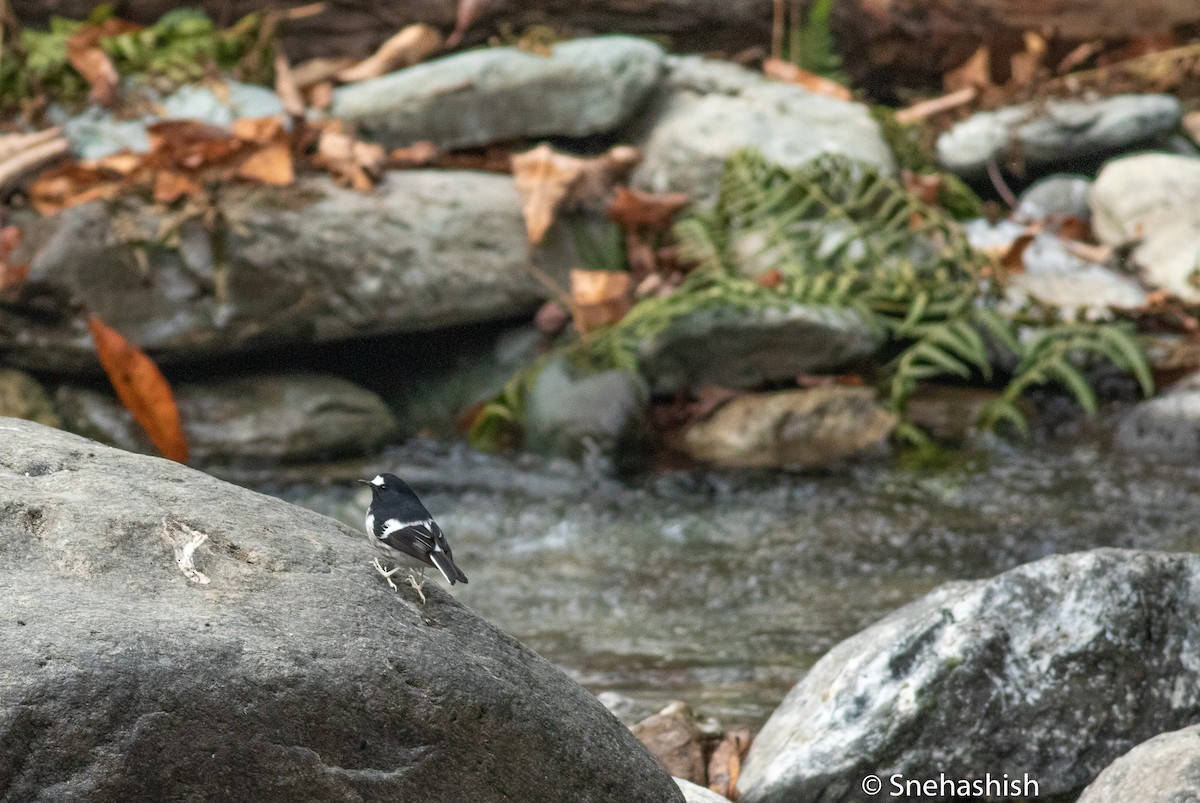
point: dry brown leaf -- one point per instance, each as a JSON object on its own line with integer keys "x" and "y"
{"x": 544, "y": 180}
{"x": 974, "y": 72}
{"x": 1099, "y": 254}
{"x": 927, "y": 108}
{"x": 632, "y": 209}
{"x": 11, "y": 274}
{"x": 468, "y": 12}
{"x": 286, "y": 87}
{"x": 121, "y": 164}
{"x": 789, "y": 73}
{"x": 1013, "y": 259}
{"x": 769, "y": 279}
{"x": 311, "y": 72}
{"x": 142, "y": 389}
{"x": 599, "y": 298}
{"x": 1025, "y": 66}
{"x": 69, "y": 185}
{"x": 22, "y": 154}
{"x": 260, "y": 130}
{"x": 725, "y": 764}
{"x": 1079, "y": 56}
{"x": 85, "y": 55}
{"x": 418, "y": 154}
{"x": 320, "y": 96}
{"x": 349, "y": 160}
{"x": 271, "y": 164}
{"x": 926, "y": 186}
{"x": 411, "y": 45}
{"x": 171, "y": 185}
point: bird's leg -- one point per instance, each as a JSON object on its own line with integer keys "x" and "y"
{"x": 387, "y": 575}
{"x": 418, "y": 585}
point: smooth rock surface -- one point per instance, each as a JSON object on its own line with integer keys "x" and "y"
{"x": 1054, "y": 668}
{"x": 1080, "y": 289}
{"x": 1167, "y": 426}
{"x": 672, "y": 737}
{"x": 1165, "y": 769}
{"x": 698, "y": 794}
{"x": 1154, "y": 198}
{"x": 311, "y": 263}
{"x": 707, "y": 110}
{"x": 747, "y": 348}
{"x": 796, "y": 429}
{"x": 572, "y": 415}
{"x": 294, "y": 675}
{"x": 22, "y": 396}
{"x": 588, "y": 86}
{"x": 1062, "y": 196}
{"x": 1056, "y": 132}
{"x": 279, "y": 418}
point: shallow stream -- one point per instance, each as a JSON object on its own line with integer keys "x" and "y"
{"x": 723, "y": 589}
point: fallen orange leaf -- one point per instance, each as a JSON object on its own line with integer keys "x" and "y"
{"x": 85, "y": 55}
{"x": 599, "y": 297}
{"x": 632, "y": 209}
{"x": 412, "y": 44}
{"x": 789, "y": 73}
{"x": 975, "y": 71}
{"x": 546, "y": 180}
{"x": 270, "y": 165}
{"x": 11, "y": 274}
{"x": 170, "y": 186}
{"x": 142, "y": 389}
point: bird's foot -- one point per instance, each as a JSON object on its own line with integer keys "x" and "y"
{"x": 417, "y": 586}
{"x": 387, "y": 575}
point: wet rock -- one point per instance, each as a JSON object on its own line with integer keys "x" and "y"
{"x": 1054, "y": 275}
{"x": 1057, "y": 132}
{"x": 947, "y": 413}
{"x": 748, "y": 348}
{"x": 577, "y": 415}
{"x": 673, "y": 738}
{"x": 1168, "y": 425}
{"x": 1056, "y": 668}
{"x": 1153, "y": 199}
{"x": 294, "y": 674}
{"x": 1165, "y": 769}
{"x": 1061, "y": 196}
{"x": 698, "y": 794}
{"x": 588, "y": 86}
{"x": 22, "y": 396}
{"x": 706, "y": 110}
{"x": 96, "y": 133}
{"x": 282, "y": 418}
{"x": 311, "y": 263}
{"x": 625, "y": 708}
{"x": 798, "y": 429}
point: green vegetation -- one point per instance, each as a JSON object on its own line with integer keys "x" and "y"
{"x": 835, "y": 232}
{"x": 810, "y": 44}
{"x": 182, "y": 46}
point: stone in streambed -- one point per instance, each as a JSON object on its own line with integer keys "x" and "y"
{"x": 797, "y": 429}
{"x": 1053, "y": 669}
{"x": 585, "y": 86}
{"x": 290, "y": 266}
{"x": 22, "y": 396}
{"x": 1165, "y": 769}
{"x": 281, "y": 418}
{"x": 294, "y": 675}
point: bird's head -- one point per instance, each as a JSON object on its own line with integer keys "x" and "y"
{"x": 389, "y": 486}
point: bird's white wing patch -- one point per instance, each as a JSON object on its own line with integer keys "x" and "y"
{"x": 392, "y": 525}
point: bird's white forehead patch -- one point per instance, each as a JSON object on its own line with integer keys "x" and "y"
{"x": 377, "y": 481}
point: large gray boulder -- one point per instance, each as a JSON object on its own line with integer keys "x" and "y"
{"x": 1165, "y": 769}
{"x": 1056, "y": 132}
{"x": 586, "y": 86}
{"x": 1167, "y": 426}
{"x": 247, "y": 419}
{"x": 1054, "y": 668}
{"x": 311, "y": 263}
{"x": 1153, "y": 200}
{"x": 706, "y": 110}
{"x": 744, "y": 348}
{"x": 293, "y": 674}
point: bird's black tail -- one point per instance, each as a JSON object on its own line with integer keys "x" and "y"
{"x": 445, "y": 565}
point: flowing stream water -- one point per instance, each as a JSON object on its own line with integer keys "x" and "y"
{"x": 723, "y": 589}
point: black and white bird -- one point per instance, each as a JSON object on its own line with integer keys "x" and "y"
{"x": 402, "y": 530}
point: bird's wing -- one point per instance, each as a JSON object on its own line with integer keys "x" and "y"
{"x": 416, "y": 538}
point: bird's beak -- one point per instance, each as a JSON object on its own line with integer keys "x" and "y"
{"x": 365, "y": 482}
